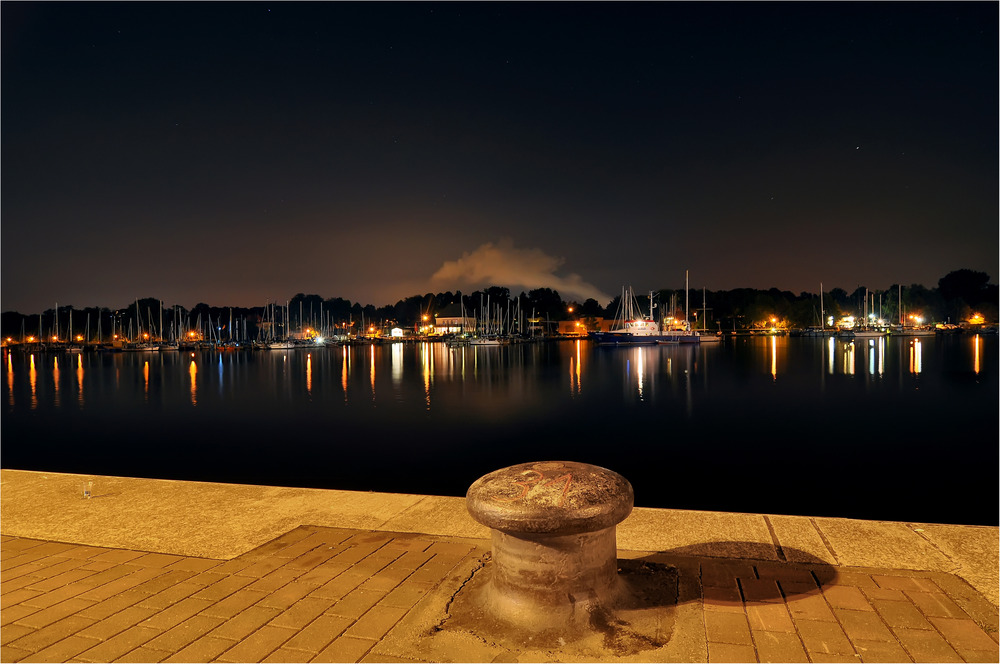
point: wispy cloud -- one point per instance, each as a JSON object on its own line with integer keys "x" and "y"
{"x": 503, "y": 264}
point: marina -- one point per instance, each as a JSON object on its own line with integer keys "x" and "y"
{"x": 695, "y": 425}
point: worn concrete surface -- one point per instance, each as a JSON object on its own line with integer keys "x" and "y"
{"x": 155, "y": 570}
{"x": 225, "y": 520}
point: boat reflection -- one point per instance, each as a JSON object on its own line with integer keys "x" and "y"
{"x": 10, "y": 378}
{"x": 193, "y": 373}
{"x": 916, "y": 361}
{"x": 975, "y": 362}
{"x": 79, "y": 379}
{"x": 55, "y": 379}
{"x": 33, "y": 378}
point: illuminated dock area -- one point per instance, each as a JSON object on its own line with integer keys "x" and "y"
{"x": 163, "y": 570}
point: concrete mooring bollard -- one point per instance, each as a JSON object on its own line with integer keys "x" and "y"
{"x": 554, "y": 548}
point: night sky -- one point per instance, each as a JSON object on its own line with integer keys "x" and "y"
{"x": 236, "y": 154}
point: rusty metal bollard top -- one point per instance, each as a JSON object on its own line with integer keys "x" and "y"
{"x": 550, "y": 497}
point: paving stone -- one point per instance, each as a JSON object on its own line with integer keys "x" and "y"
{"x": 856, "y": 579}
{"x": 261, "y": 568}
{"x": 345, "y": 649}
{"x": 257, "y": 645}
{"x": 56, "y": 595}
{"x": 355, "y": 603}
{"x": 9, "y": 614}
{"x": 244, "y": 623}
{"x": 112, "y": 573}
{"x": 195, "y": 564}
{"x": 880, "y": 651}
{"x": 334, "y": 594}
{"x": 405, "y": 596}
{"x": 84, "y": 552}
{"x": 823, "y": 638}
{"x": 54, "y": 613}
{"x": 779, "y": 647}
{"x": 59, "y": 580}
{"x": 176, "y": 613}
{"x": 118, "y": 622}
{"x": 887, "y": 594}
{"x": 722, "y": 627}
{"x": 21, "y": 595}
{"x": 810, "y": 607}
{"x": 23, "y": 570}
{"x": 11, "y": 632}
{"x": 760, "y": 590}
{"x": 62, "y": 650}
{"x": 234, "y": 604}
{"x": 901, "y": 615}
{"x": 118, "y": 556}
{"x": 113, "y": 604}
{"x": 936, "y": 605}
{"x": 302, "y": 612}
{"x": 926, "y": 646}
{"x": 965, "y": 633}
{"x": 12, "y": 654}
{"x": 339, "y": 586}
{"x": 141, "y": 655}
{"x": 168, "y": 579}
{"x": 979, "y": 655}
{"x": 50, "y": 634}
{"x": 204, "y": 649}
{"x": 376, "y": 623}
{"x": 317, "y": 576}
{"x": 169, "y": 596}
{"x": 287, "y": 595}
{"x": 223, "y": 588}
{"x": 783, "y": 573}
{"x": 119, "y": 644}
{"x": 312, "y": 559}
{"x": 284, "y": 655}
{"x": 770, "y": 618}
{"x": 318, "y": 634}
{"x": 863, "y": 625}
{"x": 184, "y": 633}
{"x": 730, "y": 652}
{"x": 274, "y": 580}
{"x": 305, "y": 545}
{"x": 155, "y": 560}
{"x": 411, "y": 542}
{"x": 847, "y": 597}
{"x": 16, "y": 584}
{"x": 722, "y": 598}
{"x": 724, "y": 572}
{"x": 915, "y": 584}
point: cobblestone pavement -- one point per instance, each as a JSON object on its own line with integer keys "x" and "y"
{"x": 338, "y": 595}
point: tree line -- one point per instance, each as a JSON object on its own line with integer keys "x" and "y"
{"x": 956, "y": 297}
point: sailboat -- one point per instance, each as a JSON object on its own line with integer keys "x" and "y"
{"x": 631, "y": 327}
{"x": 282, "y": 344}
{"x": 703, "y": 337}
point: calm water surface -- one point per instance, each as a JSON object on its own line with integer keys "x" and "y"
{"x": 897, "y": 428}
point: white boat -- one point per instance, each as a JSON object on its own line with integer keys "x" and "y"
{"x": 484, "y": 341}
{"x": 631, "y": 327}
{"x": 281, "y": 345}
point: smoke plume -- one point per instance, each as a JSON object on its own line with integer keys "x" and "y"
{"x": 502, "y": 264}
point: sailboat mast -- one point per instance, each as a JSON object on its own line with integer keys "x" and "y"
{"x": 822, "y": 314}
{"x": 687, "y": 303}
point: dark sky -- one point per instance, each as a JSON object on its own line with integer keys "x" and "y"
{"x": 236, "y": 153}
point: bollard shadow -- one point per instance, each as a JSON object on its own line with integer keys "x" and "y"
{"x": 687, "y": 574}
{"x": 657, "y": 595}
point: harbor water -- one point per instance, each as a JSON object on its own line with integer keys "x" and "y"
{"x": 897, "y": 428}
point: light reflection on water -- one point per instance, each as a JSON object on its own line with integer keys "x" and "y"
{"x": 427, "y": 418}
